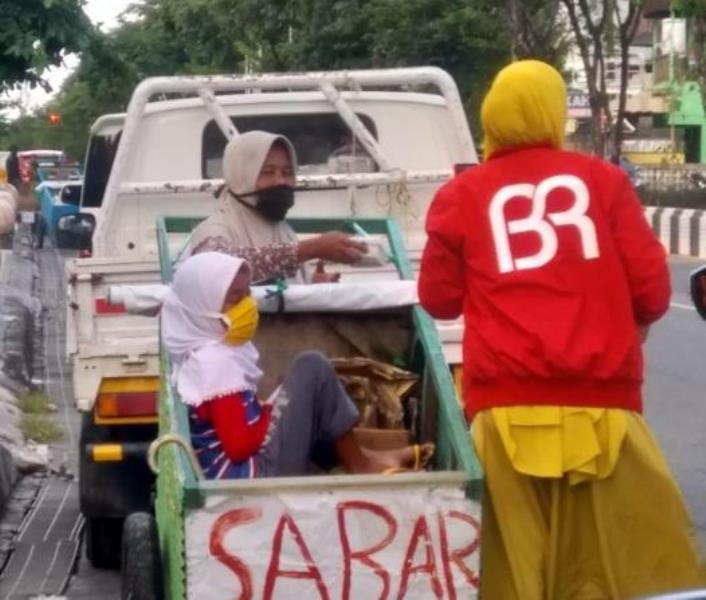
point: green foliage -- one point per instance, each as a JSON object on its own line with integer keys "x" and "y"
{"x": 34, "y": 403}
{"x": 111, "y": 65}
{"x": 40, "y": 428}
{"x": 468, "y": 38}
{"x": 690, "y": 8}
{"x": 695, "y": 11}
{"x": 36, "y": 34}
{"x": 36, "y": 424}
{"x": 539, "y": 30}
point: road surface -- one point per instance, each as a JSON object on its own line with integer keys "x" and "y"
{"x": 675, "y": 389}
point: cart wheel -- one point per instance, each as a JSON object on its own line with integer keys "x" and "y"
{"x": 142, "y": 572}
{"x": 102, "y": 539}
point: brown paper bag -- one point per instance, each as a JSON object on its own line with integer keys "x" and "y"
{"x": 377, "y": 390}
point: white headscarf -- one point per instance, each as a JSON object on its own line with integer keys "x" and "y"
{"x": 243, "y": 159}
{"x": 204, "y": 367}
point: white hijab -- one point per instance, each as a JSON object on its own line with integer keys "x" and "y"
{"x": 243, "y": 159}
{"x": 204, "y": 367}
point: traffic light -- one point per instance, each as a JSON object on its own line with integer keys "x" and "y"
{"x": 54, "y": 118}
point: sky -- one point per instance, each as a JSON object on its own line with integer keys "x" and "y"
{"x": 101, "y": 12}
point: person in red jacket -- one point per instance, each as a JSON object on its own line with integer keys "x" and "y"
{"x": 549, "y": 258}
{"x": 208, "y": 321}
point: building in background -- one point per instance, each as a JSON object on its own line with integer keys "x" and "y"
{"x": 665, "y": 120}
{"x": 676, "y": 82}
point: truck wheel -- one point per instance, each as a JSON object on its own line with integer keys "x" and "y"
{"x": 102, "y": 538}
{"x": 142, "y": 572}
{"x": 63, "y": 239}
{"x": 40, "y": 230}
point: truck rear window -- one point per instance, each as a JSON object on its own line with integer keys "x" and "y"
{"x": 99, "y": 161}
{"x": 323, "y": 142}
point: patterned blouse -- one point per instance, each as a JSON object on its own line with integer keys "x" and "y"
{"x": 267, "y": 262}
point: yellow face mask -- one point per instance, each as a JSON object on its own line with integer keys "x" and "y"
{"x": 241, "y": 320}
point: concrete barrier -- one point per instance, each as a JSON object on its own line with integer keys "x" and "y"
{"x": 682, "y": 231}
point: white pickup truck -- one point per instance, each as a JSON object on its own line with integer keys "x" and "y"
{"x": 163, "y": 157}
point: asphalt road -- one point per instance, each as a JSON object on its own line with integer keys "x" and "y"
{"x": 675, "y": 390}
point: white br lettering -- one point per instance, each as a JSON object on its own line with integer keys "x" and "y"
{"x": 540, "y": 222}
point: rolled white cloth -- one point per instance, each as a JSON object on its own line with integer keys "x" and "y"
{"x": 321, "y": 297}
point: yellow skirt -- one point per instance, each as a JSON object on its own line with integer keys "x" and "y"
{"x": 580, "y": 504}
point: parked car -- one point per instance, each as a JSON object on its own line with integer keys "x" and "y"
{"x": 57, "y": 198}
{"x": 31, "y": 160}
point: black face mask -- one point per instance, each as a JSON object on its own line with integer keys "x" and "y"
{"x": 272, "y": 203}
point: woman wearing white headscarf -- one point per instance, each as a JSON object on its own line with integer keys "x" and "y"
{"x": 259, "y": 171}
{"x": 208, "y": 321}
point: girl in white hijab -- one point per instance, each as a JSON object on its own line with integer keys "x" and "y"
{"x": 208, "y": 321}
{"x": 259, "y": 169}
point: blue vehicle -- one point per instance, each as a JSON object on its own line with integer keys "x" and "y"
{"x": 56, "y": 198}
{"x": 58, "y": 194}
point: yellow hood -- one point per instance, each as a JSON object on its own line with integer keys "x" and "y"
{"x": 525, "y": 105}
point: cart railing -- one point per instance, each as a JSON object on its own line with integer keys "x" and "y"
{"x": 454, "y": 450}
{"x": 181, "y": 490}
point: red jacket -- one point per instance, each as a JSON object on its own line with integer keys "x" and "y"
{"x": 239, "y": 439}
{"x": 549, "y": 257}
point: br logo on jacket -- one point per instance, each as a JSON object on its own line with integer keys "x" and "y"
{"x": 541, "y": 222}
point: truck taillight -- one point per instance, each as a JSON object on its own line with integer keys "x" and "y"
{"x": 127, "y": 400}
{"x": 103, "y": 307}
{"x": 126, "y": 404}
{"x": 85, "y": 253}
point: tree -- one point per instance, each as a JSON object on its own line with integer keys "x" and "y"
{"x": 111, "y": 66}
{"x": 627, "y": 22}
{"x": 595, "y": 26}
{"x": 208, "y": 34}
{"x": 538, "y": 30}
{"x": 36, "y": 34}
{"x": 468, "y": 38}
{"x": 695, "y": 10}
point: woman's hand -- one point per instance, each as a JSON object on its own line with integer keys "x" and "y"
{"x": 321, "y": 276}
{"x": 334, "y": 246}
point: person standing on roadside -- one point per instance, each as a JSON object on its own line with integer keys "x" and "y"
{"x": 12, "y": 167}
{"x": 548, "y": 256}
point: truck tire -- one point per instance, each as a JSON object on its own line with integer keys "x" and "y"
{"x": 63, "y": 239}
{"x": 108, "y": 492}
{"x": 142, "y": 572}
{"x": 102, "y": 539}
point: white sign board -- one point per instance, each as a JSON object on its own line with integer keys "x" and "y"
{"x": 417, "y": 543}
{"x": 579, "y": 104}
